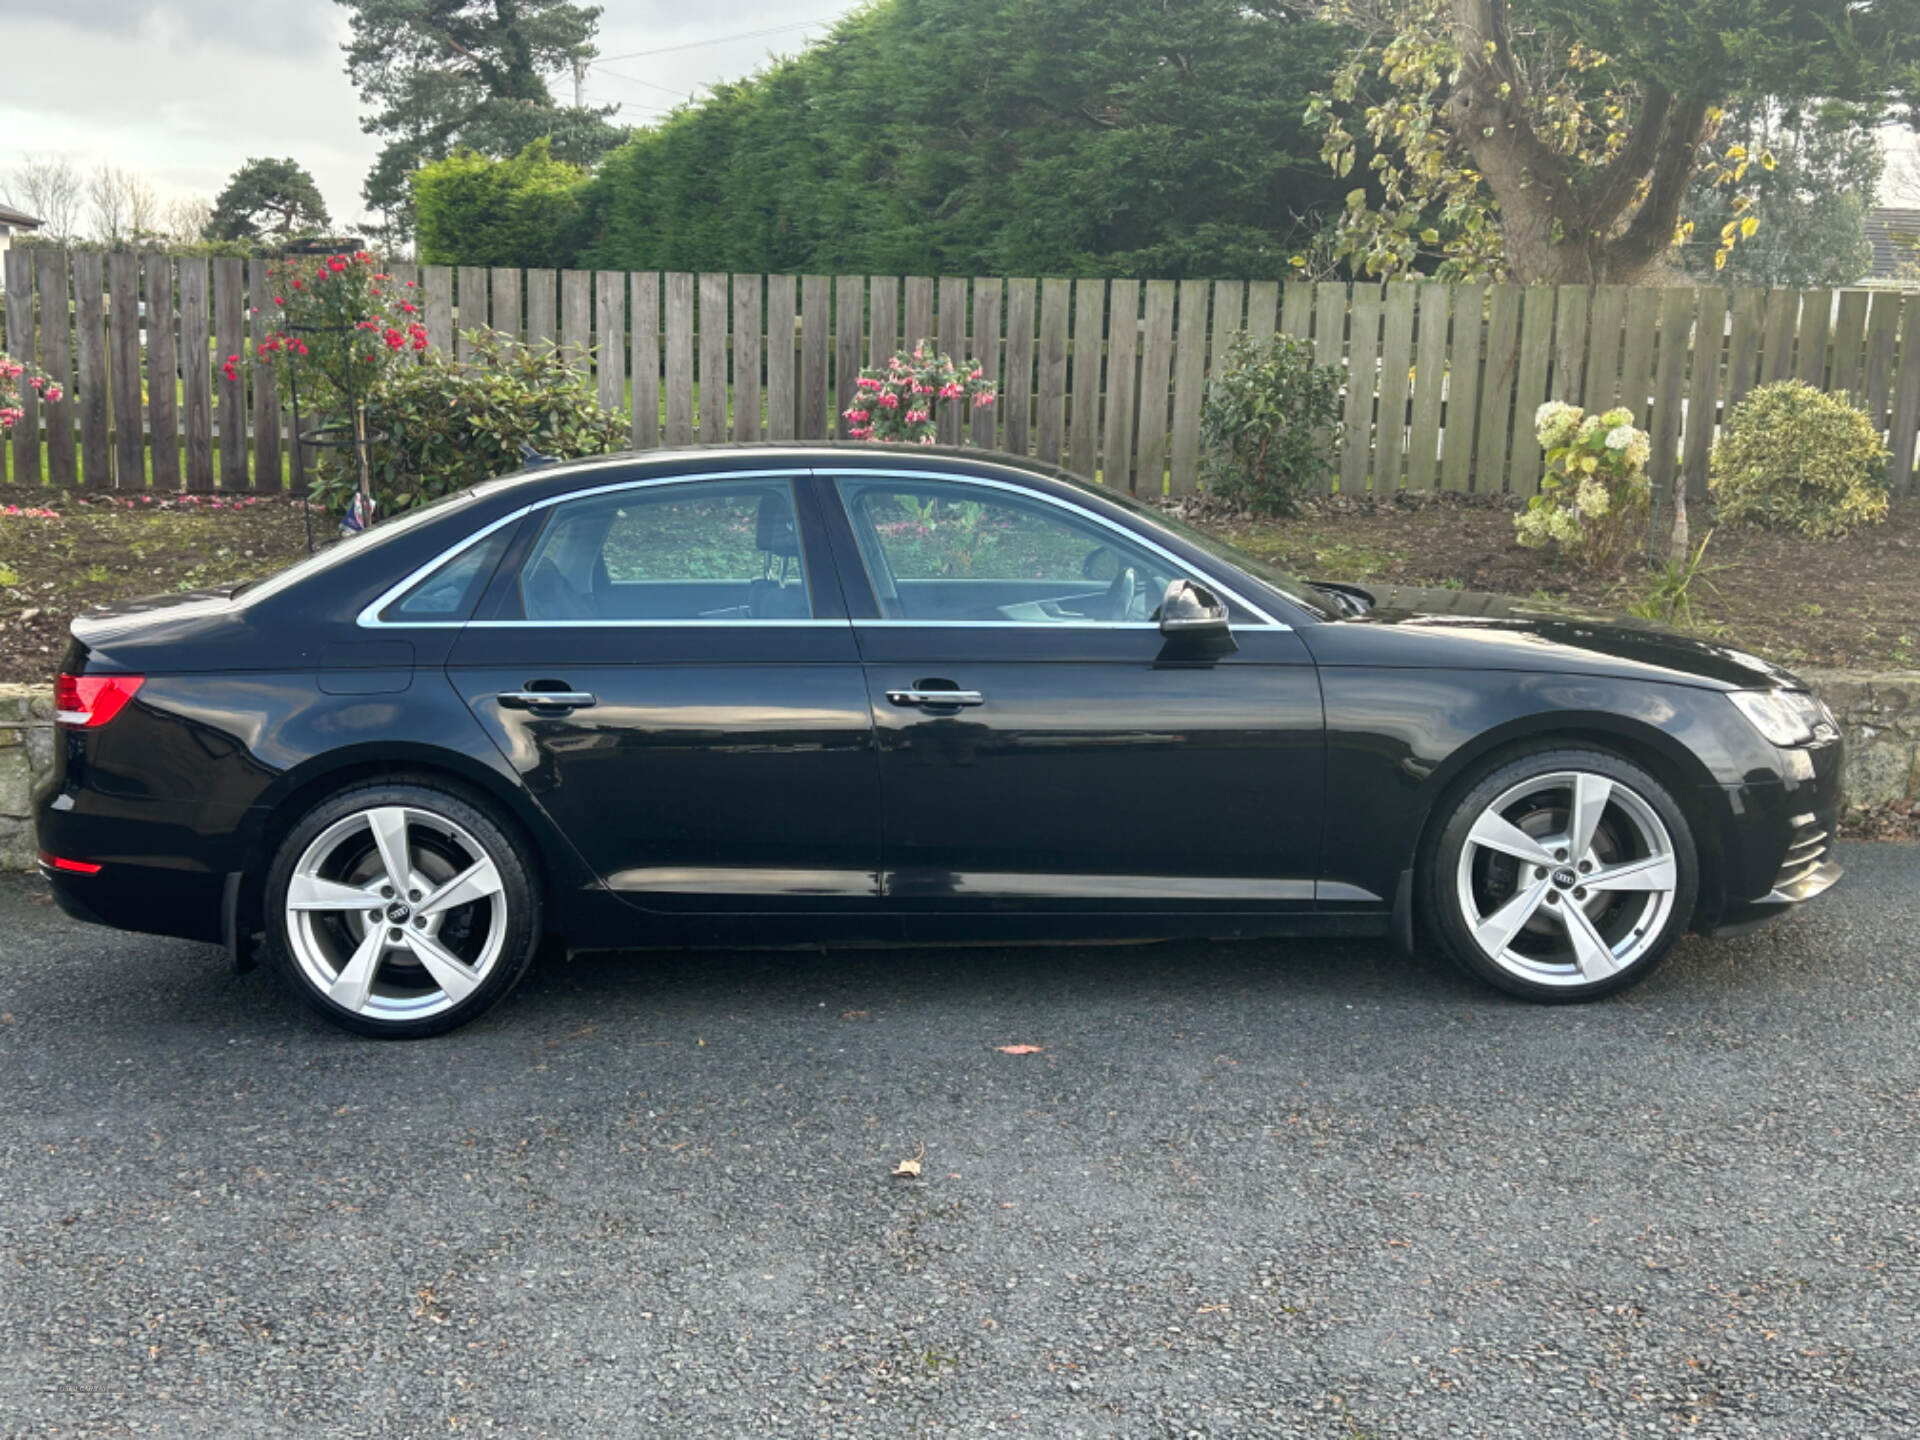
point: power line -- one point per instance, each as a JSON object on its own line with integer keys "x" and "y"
{"x": 722, "y": 39}
{"x": 636, "y": 80}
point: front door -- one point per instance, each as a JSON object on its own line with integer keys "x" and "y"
{"x": 1081, "y": 764}
{"x": 670, "y": 667}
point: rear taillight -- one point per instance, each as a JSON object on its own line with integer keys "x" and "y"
{"x": 86, "y": 702}
{"x": 72, "y": 867}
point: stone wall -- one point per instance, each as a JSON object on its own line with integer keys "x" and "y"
{"x": 26, "y": 753}
{"x": 1880, "y": 712}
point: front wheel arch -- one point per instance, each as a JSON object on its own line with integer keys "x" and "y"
{"x": 1676, "y": 768}
{"x": 1450, "y": 921}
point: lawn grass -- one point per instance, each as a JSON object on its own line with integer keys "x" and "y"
{"x": 9, "y": 475}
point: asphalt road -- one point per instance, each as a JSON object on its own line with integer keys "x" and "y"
{"x": 1242, "y": 1190}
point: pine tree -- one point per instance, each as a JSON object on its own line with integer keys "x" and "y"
{"x": 440, "y": 75}
{"x": 267, "y": 197}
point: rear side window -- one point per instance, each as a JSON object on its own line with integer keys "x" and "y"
{"x": 453, "y": 589}
{"x": 710, "y": 551}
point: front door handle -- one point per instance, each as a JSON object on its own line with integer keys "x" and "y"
{"x": 936, "y": 698}
{"x": 545, "y": 700}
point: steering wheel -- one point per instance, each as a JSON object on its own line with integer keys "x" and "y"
{"x": 1123, "y": 594}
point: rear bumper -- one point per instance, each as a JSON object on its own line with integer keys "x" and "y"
{"x": 144, "y": 898}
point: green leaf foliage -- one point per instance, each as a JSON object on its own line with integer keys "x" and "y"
{"x": 268, "y": 197}
{"x": 1794, "y": 458}
{"x": 441, "y": 75}
{"x": 1088, "y": 137}
{"x": 1855, "y": 54}
{"x": 446, "y": 424}
{"x": 1269, "y": 423}
{"x": 1809, "y": 207}
{"x": 474, "y": 211}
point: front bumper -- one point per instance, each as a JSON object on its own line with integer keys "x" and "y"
{"x": 1778, "y": 847}
{"x": 1776, "y": 902}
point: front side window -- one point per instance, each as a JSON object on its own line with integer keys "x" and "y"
{"x": 939, "y": 550}
{"x": 708, "y": 551}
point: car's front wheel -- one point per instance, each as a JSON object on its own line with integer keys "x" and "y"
{"x": 1562, "y": 874}
{"x": 401, "y": 910}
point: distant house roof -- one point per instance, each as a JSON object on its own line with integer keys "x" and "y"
{"x": 18, "y": 219}
{"x": 1895, "y": 237}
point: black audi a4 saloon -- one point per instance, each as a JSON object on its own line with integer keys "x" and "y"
{"x": 788, "y": 695}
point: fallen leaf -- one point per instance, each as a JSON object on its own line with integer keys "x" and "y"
{"x": 1019, "y": 1049}
{"x": 909, "y": 1169}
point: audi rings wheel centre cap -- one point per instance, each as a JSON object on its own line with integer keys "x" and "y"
{"x": 1564, "y": 878}
{"x": 399, "y": 912}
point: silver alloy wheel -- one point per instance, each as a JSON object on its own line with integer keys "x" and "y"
{"x": 395, "y": 913}
{"x": 1567, "y": 879}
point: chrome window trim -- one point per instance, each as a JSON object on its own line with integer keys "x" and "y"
{"x": 653, "y": 624}
{"x": 948, "y": 477}
{"x": 1053, "y": 626}
{"x": 369, "y": 617}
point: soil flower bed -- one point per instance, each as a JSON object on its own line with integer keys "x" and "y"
{"x": 1808, "y": 603}
{"x": 62, "y": 553}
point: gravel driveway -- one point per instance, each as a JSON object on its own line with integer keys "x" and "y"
{"x": 1241, "y": 1190}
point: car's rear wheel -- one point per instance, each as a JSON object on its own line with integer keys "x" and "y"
{"x": 1562, "y": 874}
{"x": 402, "y": 910}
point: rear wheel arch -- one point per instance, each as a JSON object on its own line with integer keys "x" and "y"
{"x": 456, "y": 904}
{"x": 295, "y": 793}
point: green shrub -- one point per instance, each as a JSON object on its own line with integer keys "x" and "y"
{"x": 1593, "y": 498}
{"x": 473, "y": 210}
{"x": 445, "y": 424}
{"x": 1268, "y": 423}
{"x": 1793, "y": 458}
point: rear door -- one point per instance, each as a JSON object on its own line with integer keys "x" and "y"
{"x": 669, "y": 666}
{"x": 1082, "y": 765}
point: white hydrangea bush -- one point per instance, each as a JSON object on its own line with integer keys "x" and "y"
{"x": 1593, "y": 498}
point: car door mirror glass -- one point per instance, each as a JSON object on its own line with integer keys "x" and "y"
{"x": 1190, "y": 609}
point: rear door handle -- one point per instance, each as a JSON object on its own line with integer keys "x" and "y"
{"x": 936, "y": 698}
{"x": 545, "y": 700}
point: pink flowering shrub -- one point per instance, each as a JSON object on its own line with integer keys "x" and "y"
{"x": 13, "y": 378}
{"x": 333, "y": 315}
{"x": 902, "y": 402}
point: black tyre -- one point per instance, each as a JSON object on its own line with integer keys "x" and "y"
{"x": 1561, "y": 874}
{"x": 402, "y": 908}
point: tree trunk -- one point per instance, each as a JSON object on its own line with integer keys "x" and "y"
{"x": 1561, "y": 227}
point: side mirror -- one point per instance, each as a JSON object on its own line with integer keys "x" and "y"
{"x": 1192, "y": 611}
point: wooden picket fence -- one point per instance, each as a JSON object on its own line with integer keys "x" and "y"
{"x": 1105, "y": 377}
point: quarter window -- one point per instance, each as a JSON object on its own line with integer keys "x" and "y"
{"x": 949, "y": 551}
{"x": 711, "y": 551}
{"x": 453, "y": 589}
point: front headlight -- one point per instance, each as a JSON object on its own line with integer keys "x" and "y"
{"x": 1785, "y": 717}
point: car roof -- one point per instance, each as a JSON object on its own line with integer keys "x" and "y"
{"x": 560, "y": 475}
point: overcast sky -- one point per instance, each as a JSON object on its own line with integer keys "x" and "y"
{"x": 183, "y": 91}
